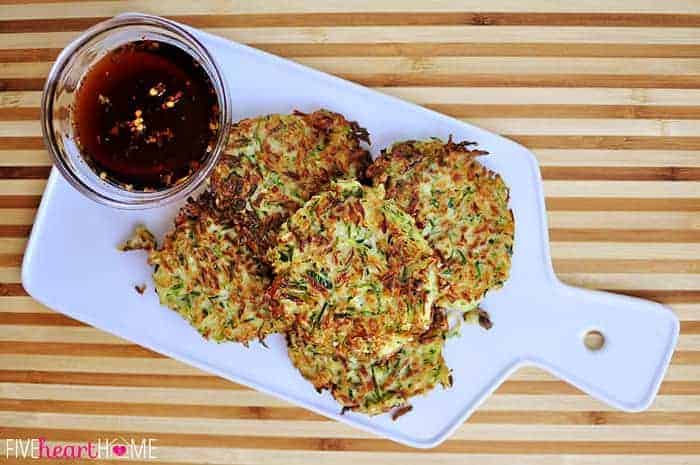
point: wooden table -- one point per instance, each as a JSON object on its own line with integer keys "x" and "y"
{"x": 607, "y": 94}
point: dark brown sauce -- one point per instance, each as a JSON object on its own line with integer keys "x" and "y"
{"x": 146, "y": 115}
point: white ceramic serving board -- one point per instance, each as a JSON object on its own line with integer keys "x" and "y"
{"x": 72, "y": 265}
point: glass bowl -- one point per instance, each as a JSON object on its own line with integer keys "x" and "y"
{"x": 59, "y": 97}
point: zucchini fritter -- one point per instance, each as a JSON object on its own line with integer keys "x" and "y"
{"x": 353, "y": 274}
{"x": 275, "y": 163}
{"x": 375, "y": 387}
{"x": 461, "y": 208}
{"x": 206, "y": 274}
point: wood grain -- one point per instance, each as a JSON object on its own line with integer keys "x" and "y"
{"x": 606, "y": 93}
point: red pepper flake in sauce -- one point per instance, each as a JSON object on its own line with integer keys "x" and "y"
{"x": 146, "y": 115}
{"x": 157, "y": 91}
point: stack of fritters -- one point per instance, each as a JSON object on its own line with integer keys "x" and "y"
{"x": 210, "y": 267}
{"x": 358, "y": 277}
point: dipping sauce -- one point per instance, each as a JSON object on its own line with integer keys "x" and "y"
{"x": 146, "y": 115}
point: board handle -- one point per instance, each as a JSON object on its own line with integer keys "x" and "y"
{"x": 614, "y": 347}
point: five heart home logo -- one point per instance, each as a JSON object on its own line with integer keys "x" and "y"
{"x": 102, "y": 448}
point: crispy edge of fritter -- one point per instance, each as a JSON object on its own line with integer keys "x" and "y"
{"x": 407, "y": 156}
{"x": 141, "y": 239}
{"x": 358, "y": 396}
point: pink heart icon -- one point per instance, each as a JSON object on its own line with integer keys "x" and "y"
{"x": 119, "y": 450}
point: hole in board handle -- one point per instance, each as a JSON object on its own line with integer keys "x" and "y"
{"x": 594, "y": 340}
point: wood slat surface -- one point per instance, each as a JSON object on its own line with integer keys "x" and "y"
{"x": 606, "y": 93}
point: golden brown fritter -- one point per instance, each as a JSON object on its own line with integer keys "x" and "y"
{"x": 205, "y": 273}
{"x": 461, "y": 208}
{"x": 374, "y": 387}
{"x": 353, "y": 274}
{"x": 275, "y": 163}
